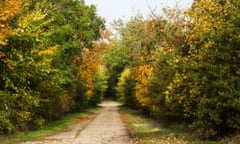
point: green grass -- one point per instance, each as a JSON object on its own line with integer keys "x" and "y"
{"x": 48, "y": 129}
{"x": 147, "y": 131}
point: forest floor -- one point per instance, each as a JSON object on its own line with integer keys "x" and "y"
{"x": 105, "y": 127}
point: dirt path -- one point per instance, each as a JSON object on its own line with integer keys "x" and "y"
{"x": 105, "y": 128}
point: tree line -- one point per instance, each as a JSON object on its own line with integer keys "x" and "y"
{"x": 182, "y": 67}
{"x": 50, "y": 63}
{"x": 57, "y": 58}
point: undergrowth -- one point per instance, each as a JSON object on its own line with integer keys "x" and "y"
{"x": 147, "y": 131}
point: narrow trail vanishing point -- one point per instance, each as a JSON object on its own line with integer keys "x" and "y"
{"x": 106, "y": 128}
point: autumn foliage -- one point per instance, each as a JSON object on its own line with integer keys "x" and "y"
{"x": 92, "y": 66}
{"x": 9, "y": 10}
{"x": 185, "y": 66}
{"x": 41, "y": 75}
{"x": 56, "y": 58}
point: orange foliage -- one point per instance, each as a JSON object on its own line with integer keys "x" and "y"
{"x": 92, "y": 59}
{"x": 8, "y": 10}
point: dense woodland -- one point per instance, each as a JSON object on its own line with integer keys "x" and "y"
{"x": 56, "y": 57}
{"x": 49, "y": 59}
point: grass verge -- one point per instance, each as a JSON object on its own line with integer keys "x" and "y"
{"x": 48, "y": 129}
{"x": 147, "y": 131}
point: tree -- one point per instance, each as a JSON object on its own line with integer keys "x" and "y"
{"x": 37, "y": 82}
{"x": 207, "y": 80}
{"x": 186, "y": 66}
{"x": 9, "y": 10}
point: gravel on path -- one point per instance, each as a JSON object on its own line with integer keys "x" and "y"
{"x": 106, "y": 128}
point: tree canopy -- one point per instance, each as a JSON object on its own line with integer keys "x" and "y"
{"x": 56, "y": 57}
{"x": 184, "y": 66}
{"x": 42, "y": 54}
